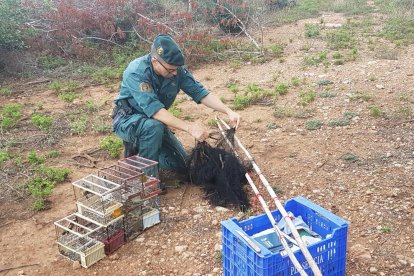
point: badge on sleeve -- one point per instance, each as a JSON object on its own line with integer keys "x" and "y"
{"x": 145, "y": 87}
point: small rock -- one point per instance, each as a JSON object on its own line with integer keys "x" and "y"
{"x": 21, "y": 272}
{"x": 333, "y": 25}
{"x": 380, "y": 86}
{"x": 218, "y": 247}
{"x": 140, "y": 240}
{"x": 221, "y": 209}
{"x": 180, "y": 248}
{"x": 216, "y": 269}
{"x": 373, "y": 270}
{"x": 199, "y": 209}
{"x": 114, "y": 257}
{"x": 360, "y": 252}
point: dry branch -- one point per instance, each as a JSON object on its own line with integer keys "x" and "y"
{"x": 243, "y": 27}
{"x": 158, "y": 23}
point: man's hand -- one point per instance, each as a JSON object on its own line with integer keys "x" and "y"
{"x": 198, "y": 132}
{"x": 234, "y": 118}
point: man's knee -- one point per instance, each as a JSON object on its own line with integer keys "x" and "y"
{"x": 153, "y": 128}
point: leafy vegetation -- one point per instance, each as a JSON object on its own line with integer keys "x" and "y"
{"x": 5, "y": 91}
{"x": 313, "y": 124}
{"x": 307, "y": 97}
{"x": 10, "y": 115}
{"x": 312, "y": 30}
{"x": 34, "y": 159}
{"x": 112, "y": 144}
{"x": 41, "y": 185}
{"x": 4, "y": 156}
{"x": 281, "y": 88}
{"x": 43, "y": 122}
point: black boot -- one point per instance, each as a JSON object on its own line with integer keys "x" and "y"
{"x": 129, "y": 149}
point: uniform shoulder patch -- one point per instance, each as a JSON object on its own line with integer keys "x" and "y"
{"x": 145, "y": 87}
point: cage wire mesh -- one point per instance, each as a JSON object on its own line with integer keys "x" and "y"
{"x": 73, "y": 226}
{"x": 140, "y": 164}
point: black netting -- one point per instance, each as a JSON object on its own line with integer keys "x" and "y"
{"x": 220, "y": 173}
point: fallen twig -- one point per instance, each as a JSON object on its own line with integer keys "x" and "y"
{"x": 37, "y": 82}
{"x": 16, "y": 267}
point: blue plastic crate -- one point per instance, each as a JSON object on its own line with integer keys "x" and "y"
{"x": 239, "y": 258}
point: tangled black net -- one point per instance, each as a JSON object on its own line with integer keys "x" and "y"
{"x": 220, "y": 173}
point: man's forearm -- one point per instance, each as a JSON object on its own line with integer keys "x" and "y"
{"x": 213, "y": 102}
{"x": 168, "y": 119}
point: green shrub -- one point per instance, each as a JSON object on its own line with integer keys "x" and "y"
{"x": 34, "y": 159}
{"x": 313, "y": 124}
{"x": 175, "y": 110}
{"x": 325, "y": 82}
{"x": 112, "y": 144}
{"x": 338, "y": 62}
{"x": 280, "y": 112}
{"x": 108, "y": 75}
{"x": 307, "y": 97}
{"x": 72, "y": 86}
{"x": 5, "y": 91}
{"x": 356, "y": 95}
{"x": 4, "y": 156}
{"x": 272, "y": 126}
{"x": 91, "y": 106}
{"x": 336, "y": 55}
{"x": 281, "y": 88}
{"x": 12, "y": 19}
{"x": 43, "y": 122}
{"x": 350, "y": 157}
{"x": 212, "y": 123}
{"x": 349, "y": 114}
{"x": 241, "y": 102}
{"x": 78, "y": 124}
{"x": 256, "y": 93}
{"x": 53, "y": 154}
{"x": 56, "y": 85}
{"x": 40, "y": 189}
{"x": 277, "y": 50}
{"x": 51, "y": 62}
{"x": 41, "y": 185}
{"x": 327, "y": 94}
{"x": 340, "y": 39}
{"x": 68, "y": 97}
{"x": 339, "y": 122}
{"x": 56, "y": 175}
{"x": 10, "y": 115}
{"x": 234, "y": 88}
{"x": 312, "y": 30}
{"x": 315, "y": 60}
{"x": 375, "y": 111}
{"x": 295, "y": 81}
{"x": 399, "y": 30}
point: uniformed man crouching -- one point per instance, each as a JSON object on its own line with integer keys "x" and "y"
{"x": 149, "y": 87}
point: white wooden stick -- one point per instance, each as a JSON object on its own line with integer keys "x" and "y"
{"x": 282, "y": 239}
{"x": 302, "y": 246}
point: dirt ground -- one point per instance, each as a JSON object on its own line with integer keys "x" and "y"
{"x": 363, "y": 172}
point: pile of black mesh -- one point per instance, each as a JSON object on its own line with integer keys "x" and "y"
{"x": 220, "y": 173}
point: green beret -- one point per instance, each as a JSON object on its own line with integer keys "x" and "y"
{"x": 168, "y": 50}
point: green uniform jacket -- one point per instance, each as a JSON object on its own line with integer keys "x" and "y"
{"x": 147, "y": 92}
